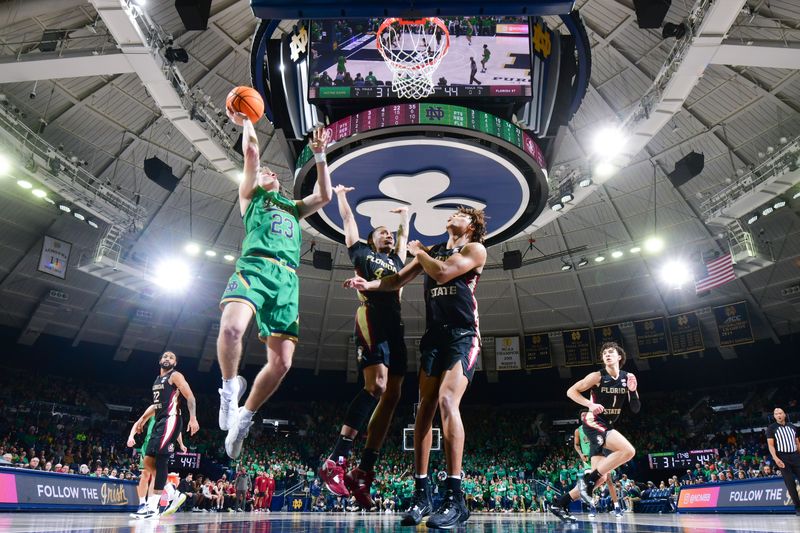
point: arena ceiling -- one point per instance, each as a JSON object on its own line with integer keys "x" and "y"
{"x": 734, "y": 114}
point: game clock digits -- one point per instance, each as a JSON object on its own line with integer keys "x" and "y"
{"x": 680, "y": 460}
{"x": 184, "y": 461}
{"x": 488, "y": 57}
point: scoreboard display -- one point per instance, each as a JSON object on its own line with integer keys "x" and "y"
{"x": 184, "y": 461}
{"x": 680, "y": 460}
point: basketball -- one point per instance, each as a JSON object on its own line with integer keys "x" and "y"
{"x": 245, "y": 100}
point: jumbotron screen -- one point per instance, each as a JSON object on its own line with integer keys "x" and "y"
{"x": 488, "y": 57}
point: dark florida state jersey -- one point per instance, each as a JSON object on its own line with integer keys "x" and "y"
{"x": 166, "y": 397}
{"x": 453, "y": 303}
{"x": 611, "y": 394}
{"x": 372, "y": 265}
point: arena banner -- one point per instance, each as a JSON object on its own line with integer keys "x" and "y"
{"x": 577, "y": 347}
{"x": 507, "y": 353}
{"x": 651, "y": 337}
{"x": 603, "y": 334}
{"x": 733, "y": 324}
{"x": 757, "y": 495}
{"x": 54, "y": 257}
{"x": 22, "y": 489}
{"x": 684, "y": 333}
{"x": 537, "y": 351}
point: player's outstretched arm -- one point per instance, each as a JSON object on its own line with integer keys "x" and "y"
{"x": 389, "y": 283}
{"x": 575, "y": 392}
{"x": 138, "y": 426}
{"x": 402, "y": 233}
{"x": 324, "y": 193}
{"x": 180, "y": 382}
{"x": 251, "y": 153}
{"x": 348, "y": 220}
{"x": 633, "y": 393}
{"x": 471, "y": 257}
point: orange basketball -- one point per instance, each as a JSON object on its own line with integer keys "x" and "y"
{"x": 246, "y": 100}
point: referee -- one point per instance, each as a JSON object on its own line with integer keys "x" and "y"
{"x": 784, "y": 444}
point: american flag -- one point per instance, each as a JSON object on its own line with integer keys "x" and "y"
{"x": 718, "y": 272}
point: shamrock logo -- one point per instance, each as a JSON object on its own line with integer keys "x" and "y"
{"x": 420, "y": 192}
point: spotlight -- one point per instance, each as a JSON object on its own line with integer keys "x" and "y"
{"x": 49, "y": 200}
{"x": 783, "y": 140}
{"x": 24, "y": 184}
{"x": 585, "y": 182}
{"x": 653, "y": 245}
{"x": 228, "y": 257}
{"x": 676, "y": 273}
{"x": 39, "y": 193}
{"x": 608, "y": 142}
{"x": 673, "y": 30}
{"x": 565, "y": 267}
{"x": 65, "y": 208}
{"x": 567, "y": 197}
{"x": 211, "y": 253}
{"x": 192, "y": 249}
{"x": 583, "y": 262}
{"x": 616, "y": 254}
{"x": 752, "y": 218}
{"x": 767, "y": 210}
{"x": 796, "y": 195}
{"x": 599, "y": 259}
{"x": 92, "y": 223}
{"x": 172, "y": 274}
{"x": 636, "y": 249}
{"x": 5, "y": 165}
{"x": 79, "y": 216}
{"x": 555, "y": 205}
{"x": 780, "y": 203}
{"x": 604, "y": 169}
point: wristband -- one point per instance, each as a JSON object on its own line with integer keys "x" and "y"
{"x": 319, "y": 157}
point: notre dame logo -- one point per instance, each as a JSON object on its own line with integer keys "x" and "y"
{"x": 576, "y": 335}
{"x": 606, "y": 332}
{"x": 683, "y": 320}
{"x": 297, "y": 504}
{"x": 730, "y": 311}
{"x": 599, "y": 440}
{"x": 537, "y": 339}
{"x": 233, "y": 285}
{"x": 649, "y": 325}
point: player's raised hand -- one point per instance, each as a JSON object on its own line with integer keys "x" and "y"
{"x": 402, "y": 210}
{"x": 632, "y": 383}
{"x": 341, "y": 189}
{"x": 414, "y": 247}
{"x": 320, "y": 139}
{"x": 131, "y": 443}
{"x": 236, "y": 117}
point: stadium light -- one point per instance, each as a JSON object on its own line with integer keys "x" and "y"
{"x": 767, "y": 210}
{"x": 173, "y": 275}
{"x": 779, "y": 203}
{"x": 5, "y": 165}
{"x": 636, "y": 249}
{"x": 654, "y": 245}
{"x": 752, "y": 218}
{"x": 79, "y": 216}
{"x": 192, "y": 248}
{"x": 228, "y": 257}
{"x": 25, "y": 184}
{"x": 616, "y": 254}
{"x": 608, "y": 142}
{"x": 39, "y": 193}
{"x": 675, "y": 274}
{"x": 583, "y": 262}
{"x": 599, "y": 258}
{"x": 211, "y": 253}
{"x": 604, "y": 170}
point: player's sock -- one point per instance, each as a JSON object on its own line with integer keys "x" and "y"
{"x": 368, "y": 459}
{"x": 616, "y": 505}
{"x": 341, "y": 450}
{"x": 453, "y": 483}
{"x": 421, "y": 482}
{"x": 565, "y": 500}
{"x": 152, "y": 501}
{"x": 245, "y": 414}
{"x": 142, "y": 500}
{"x": 594, "y": 476}
{"x": 230, "y": 387}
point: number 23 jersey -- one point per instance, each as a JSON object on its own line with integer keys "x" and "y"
{"x": 272, "y": 227}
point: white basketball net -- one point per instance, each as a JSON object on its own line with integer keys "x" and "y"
{"x": 413, "y": 50}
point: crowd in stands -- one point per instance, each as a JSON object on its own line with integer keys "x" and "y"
{"x": 516, "y": 460}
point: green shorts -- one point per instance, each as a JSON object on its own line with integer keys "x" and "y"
{"x": 271, "y": 289}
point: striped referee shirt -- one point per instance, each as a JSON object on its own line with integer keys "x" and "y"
{"x": 784, "y": 436}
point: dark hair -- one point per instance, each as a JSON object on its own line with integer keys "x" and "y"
{"x": 478, "y": 222}
{"x": 620, "y": 351}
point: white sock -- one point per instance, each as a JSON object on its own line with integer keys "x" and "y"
{"x": 246, "y": 414}
{"x": 616, "y": 505}
{"x": 420, "y": 476}
{"x": 230, "y": 387}
{"x": 142, "y": 500}
{"x": 152, "y": 502}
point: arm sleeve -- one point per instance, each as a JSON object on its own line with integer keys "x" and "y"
{"x": 636, "y": 404}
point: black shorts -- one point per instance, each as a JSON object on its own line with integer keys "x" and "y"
{"x": 164, "y": 439}
{"x": 596, "y": 429}
{"x": 380, "y": 340}
{"x": 442, "y": 347}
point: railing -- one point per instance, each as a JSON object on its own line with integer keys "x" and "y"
{"x": 786, "y": 159}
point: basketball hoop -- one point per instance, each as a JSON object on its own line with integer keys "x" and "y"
{"x": 413, "y": 50}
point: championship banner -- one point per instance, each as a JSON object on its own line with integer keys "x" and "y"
{"x": 507, "y": 353}
{"x": 733, "y": 324}
{"x": 651, "y": 337}
{"x": 537, "y": 351}
{"x": 610, "y": 333}
{"x": 22, "y": 489}
{"x": 740, "y": 496}
{"x": 54, "y": 257}
{"x": 578, "y": 347}
{"x": 684, "y": 333}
